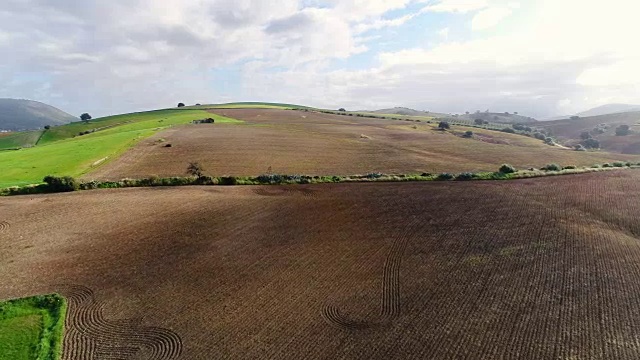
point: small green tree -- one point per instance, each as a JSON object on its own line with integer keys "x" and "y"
{"x": 342, "y": 110}
{"x": 443, "y": 125}
{"x": 591, "y": 144}
{"x": 180, "y": 104}
{"x": 85, "y": 117}
{"x": 507, "y": 169}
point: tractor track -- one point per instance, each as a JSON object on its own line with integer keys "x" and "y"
{"x": 91, "y": 336}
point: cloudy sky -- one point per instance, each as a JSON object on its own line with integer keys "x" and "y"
{"x": 541, "y": 58}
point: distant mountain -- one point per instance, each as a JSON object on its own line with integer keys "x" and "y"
{"x": 402, "y": 111}
{"x": 600, "y": 110}
{"x": 16, "y": 114}
{"x": 610, "y": 109}
{"x": 507, "y": 118}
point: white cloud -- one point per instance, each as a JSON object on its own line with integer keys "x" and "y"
{"x": 459, "y": 6}
{"x": 122, "y": 55}
{"x": 489, "y": 18}
{"x": 444, "y": 33}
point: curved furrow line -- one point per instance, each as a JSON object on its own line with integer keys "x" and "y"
{"x": 332, "y": 316}
{"x": 90, "y": 332}
{"x": 390, "y": 297}
{"x": 4, "y": 225}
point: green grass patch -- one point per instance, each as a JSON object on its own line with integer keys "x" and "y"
{"x": 32, "y": 328}
{"x": 20, "y": 139}
{"x": 247, "y": 105}
{"x": 77, "y": 155}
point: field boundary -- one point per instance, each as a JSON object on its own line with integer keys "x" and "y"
{"x": 73, "y": 185}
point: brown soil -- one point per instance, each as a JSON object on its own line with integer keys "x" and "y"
{"x": 531, "y": 269}
{"x": 297, "y": 142}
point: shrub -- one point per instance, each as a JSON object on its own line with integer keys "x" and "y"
{"x": 228, "y": 180}
{"x": 618, "y": 164}
{"x": 47, "y": 127}
{"x": 622, "y": 130}
{"x": 468, "y": 134}
{"x": 551, "y": 167}
{"x": 180, "y": 104}
{"x": 478, "y": 121}
{"x": 585, "y": 135}
{"x": 508, "y": 130}
{"x": 606, "y": 165}
{"x": 465, "y": 176}
{"x": 507, "y": 169}
{"x": 570, "y": 167}
{"x": 445, "y": 176}
{"x": 549, "y": 141}
{"x": 61, "y": 184}
{"x": 539, "y": 136}
{"x": 195, "y": 169}
{"x": 579, "y": 147}
{"x": 373, "y": 175}
{"x": 443, "y": 125}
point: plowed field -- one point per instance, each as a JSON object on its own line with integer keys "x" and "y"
{"x": 298, "y": 142}
{"x": 544, "y": 268}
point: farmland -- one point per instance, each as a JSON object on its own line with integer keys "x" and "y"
{"x": 536, "y": 269}
{"x": 61, "y": 151}
{"x": 312, "y": 143}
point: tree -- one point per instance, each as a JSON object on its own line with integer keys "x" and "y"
{"x": 85, "y": 117}
{"x": 507, "y": 169}
{"x": 585, "y": 135}
{"x": 47, "y": 127}
{"x": 443, "y": 125}
{"x": 478, "y": 121}
{"x": 591, "y": 144}
{"x": 194, "y": 169}
{"x": 342, "y": 110}
{"x": 622, "y": 130}
{"x": 180, "y": 104}
{"x": 468, "y": 134}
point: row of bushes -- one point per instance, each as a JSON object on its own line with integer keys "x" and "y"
{"x": 54, "y": 184}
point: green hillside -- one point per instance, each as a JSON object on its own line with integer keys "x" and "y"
{"x": 62, "y": 151}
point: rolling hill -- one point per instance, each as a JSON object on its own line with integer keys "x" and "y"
{"x": 610, "y": 109}
{"x": 18, "y": 114}
{"x": 601, "y": 128}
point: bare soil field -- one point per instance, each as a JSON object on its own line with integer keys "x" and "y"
{"x": 542, "y": 268}
{"x": 298, "y": 142}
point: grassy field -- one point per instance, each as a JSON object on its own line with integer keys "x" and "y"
{"x": 32, "y": 328}
{"x": 246, "y": 105}
{"x": 528, "y": 269}
{"x": 61, "y": 154}
{"x": 20, "y": 139}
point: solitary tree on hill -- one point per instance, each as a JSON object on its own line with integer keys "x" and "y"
{"x": 180, "y": 104}
{"x": 342, "y": 110}
{"x": 85, "y": 117}
{"x": 444, "y": 125}
{"x": 622, "y": 130}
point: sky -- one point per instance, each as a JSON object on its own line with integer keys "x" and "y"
{"x": 541, "y": 58}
